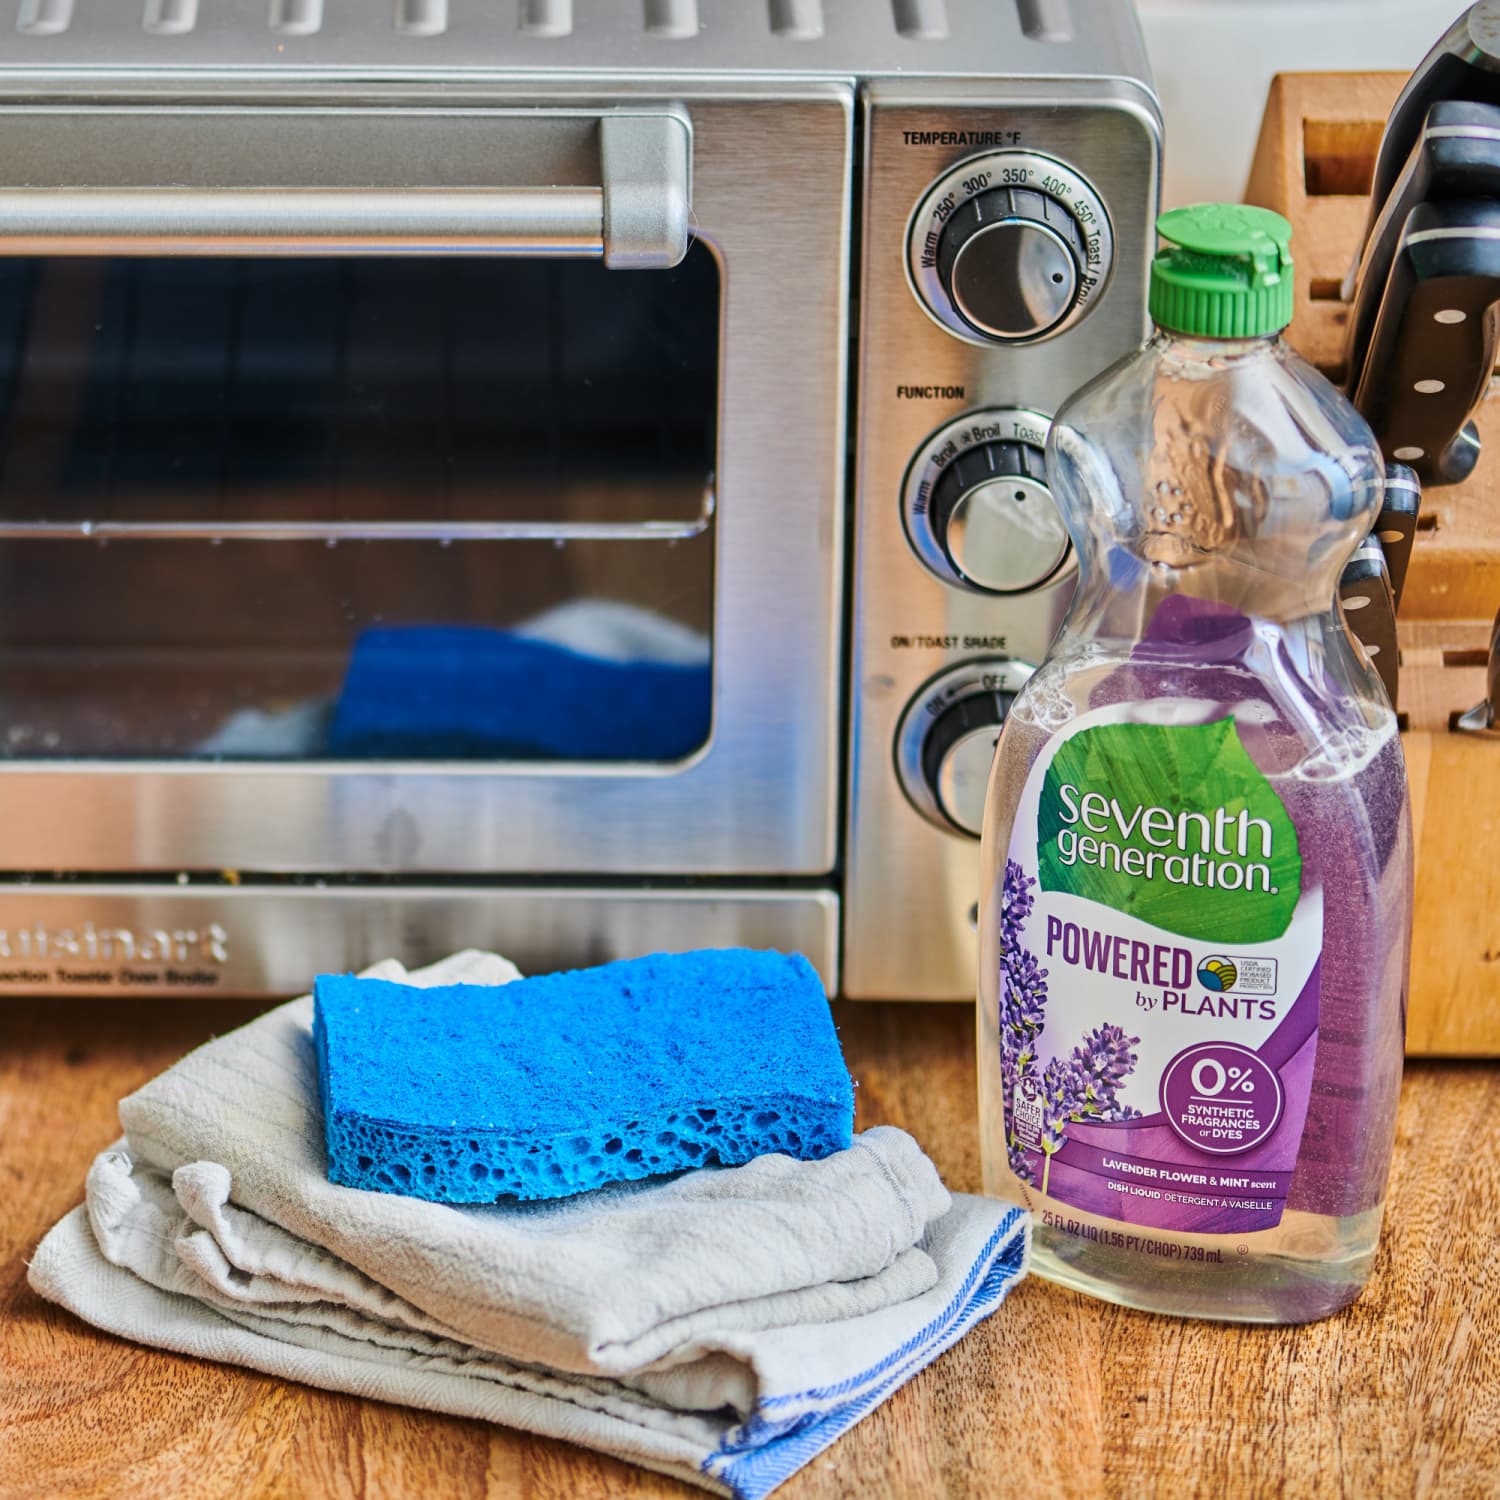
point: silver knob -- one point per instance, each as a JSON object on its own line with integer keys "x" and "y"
{"x": 976, "y": 505}
{"x": 945, "y": 742}
{"x": 1009, "y": 248}
{"x": 1007, "y": 535}
{"x": 1010, "y": 259}
{"x": 993, "y": 516}
{"x": 958, "y": 753}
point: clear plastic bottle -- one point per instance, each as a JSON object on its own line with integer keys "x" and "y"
{"x": 1197, "y": 851}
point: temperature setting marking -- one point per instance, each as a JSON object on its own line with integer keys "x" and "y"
{"x": 1009, "y": 248}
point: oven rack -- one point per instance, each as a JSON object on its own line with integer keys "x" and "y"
{"x": 334, "y": 531}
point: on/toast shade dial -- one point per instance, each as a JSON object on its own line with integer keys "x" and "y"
{"x": 977, "y": 508}
{"x": 1009, "y": 248}
{"x": 957, "y": 755}
{"x": 946, "y": 740}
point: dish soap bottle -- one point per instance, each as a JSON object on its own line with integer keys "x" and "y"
{"x": 1197, "y": 845}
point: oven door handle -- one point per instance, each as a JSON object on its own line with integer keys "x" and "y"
{"x": 636, "y": 219}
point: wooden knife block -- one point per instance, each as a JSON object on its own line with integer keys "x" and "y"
{"x": 1313, "y": 163}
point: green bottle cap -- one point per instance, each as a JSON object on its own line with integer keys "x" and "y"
{"x": 1225, "y": 273}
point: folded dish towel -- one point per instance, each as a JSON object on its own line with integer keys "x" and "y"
{"x": 723, "y": 1326}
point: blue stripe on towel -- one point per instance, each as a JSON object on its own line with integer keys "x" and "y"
{"x": 785, "y": 1432}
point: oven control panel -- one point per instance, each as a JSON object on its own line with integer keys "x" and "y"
{"x": 1004, "y": 260}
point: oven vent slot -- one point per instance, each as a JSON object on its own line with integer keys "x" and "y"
{"x": 421, "y": 17}
{"x": 675, "y": 20}
{"x": 797, "y": 20}
{"x": 44, "y": 17}
{"x": 170, "y": 17}
{"x": 921, "y": 20}
{"x": 547, "y": 17}
{"x": 1046, "y": 20}
{"x": 296, "y": 17}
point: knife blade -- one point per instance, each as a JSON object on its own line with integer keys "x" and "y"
{"x": 1481, "y": 719}
{"x": 1433, "y": 349}
{"x": 1396, "y": 526}
{"x": 1464, "y": 64}
{"x": 1370, "y": 611}
{"x": 1456, "y": 156}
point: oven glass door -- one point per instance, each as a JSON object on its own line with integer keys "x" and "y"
{"x": 422, "y": 480}
{"x": 349, "y": 509}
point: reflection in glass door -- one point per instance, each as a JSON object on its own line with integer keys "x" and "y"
{"x": 302, "y": 510}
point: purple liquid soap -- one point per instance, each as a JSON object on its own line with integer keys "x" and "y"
{"x": 1197, "y": 849}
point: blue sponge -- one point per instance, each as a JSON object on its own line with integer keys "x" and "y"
{"x": 550, "y": 1086}
{"x": 458, "y": 692}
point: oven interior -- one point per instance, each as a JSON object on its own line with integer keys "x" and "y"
{"x": 344, "y": 509}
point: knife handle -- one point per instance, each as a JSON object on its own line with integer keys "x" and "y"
{"x": 1457, "y": 461}
{"x": 1396, "y": 525}
{"x": 1433, "y": 350}
{"x": 1457, "y": 155}
{"x": 1463, "y": 64}
{"x": 1370, "y": 611}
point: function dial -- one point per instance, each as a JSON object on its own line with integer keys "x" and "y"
{"x": 946, "y": 740}
{"x": 1009, "y": 248}
{"x": 977, "y": 508}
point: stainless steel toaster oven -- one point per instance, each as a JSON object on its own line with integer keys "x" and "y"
{"x": 556, "y": 475}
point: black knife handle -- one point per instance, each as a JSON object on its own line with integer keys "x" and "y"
{"x": 1465, "y": 64}
{"x": 1459, "y": 459}
{"x": 1370, "y": 611}
{"x": 1433, "y": 349}
{"x": 1456, "y": 156}
{"x": 1396, "y": 525}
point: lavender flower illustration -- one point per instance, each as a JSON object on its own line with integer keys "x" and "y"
{"x": 1084, "y": 1085}
{"x": 1023, "y": 999}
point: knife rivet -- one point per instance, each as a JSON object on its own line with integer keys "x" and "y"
{"x": 1429, "y": 387}
{"x": 1407, "y": 455}
{"x": 1450, "y": 315}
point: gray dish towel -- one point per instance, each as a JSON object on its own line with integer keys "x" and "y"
{"x": 723, "y": 1326}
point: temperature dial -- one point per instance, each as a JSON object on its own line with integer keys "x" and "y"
{"x": 977, "y": 508}
{"x": 1009, "y": 248}
{"x": 946, "y": 740}
{"x": 1010, "y": 260}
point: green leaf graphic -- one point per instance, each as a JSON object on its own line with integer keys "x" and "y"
{"x": 1178, "y": 882}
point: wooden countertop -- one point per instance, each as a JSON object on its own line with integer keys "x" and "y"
{"x": 1053, "y": 1396}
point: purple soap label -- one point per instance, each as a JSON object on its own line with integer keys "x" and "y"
{"x": 1159, "y": 959}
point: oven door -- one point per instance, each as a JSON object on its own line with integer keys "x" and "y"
{"x": 398, "y": 486}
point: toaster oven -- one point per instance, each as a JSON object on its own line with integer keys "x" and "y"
{"x": 555, "y": 475}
